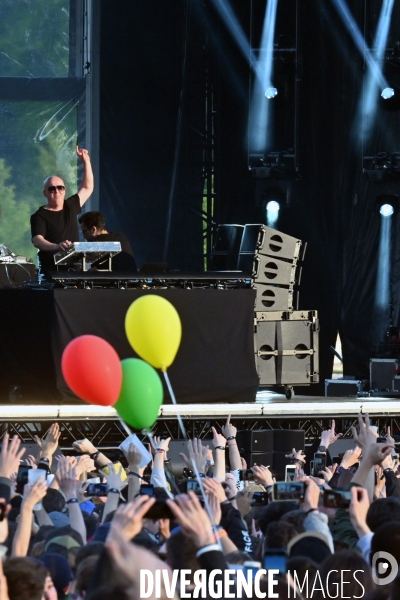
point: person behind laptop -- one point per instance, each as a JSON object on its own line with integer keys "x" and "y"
{"x": 93, "y": 227}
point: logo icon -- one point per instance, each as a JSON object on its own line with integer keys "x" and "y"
{"x": 384, "y": 568}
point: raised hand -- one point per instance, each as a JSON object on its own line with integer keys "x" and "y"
{"x": 10, "y": 457}
{"x": 84, "y": 464}
{"x": 228, "y": 429}
{"x": 133, "y": 457}
{"x": 215, "y": 487}
{"x": 114, "y": 479}
{"x": 359, "y": 506}
{"x": 84, "y": 446}
{"x": 193, "y": 519}
{"x": 66, "y": 477}
{"x": 262, "y": 475}
{"x": 128, "y": 519}
{"x": 49, "y": 443}
{"x": 389, "y": 438}
{"x": 351, "y": 457}
{"x": 218, "y": 438}
{"x": 297, "y": 455}
{"x": 311, "y": 496}
{"x": 197, "y": 455}
{"x": 34, "y": 493}
{"x": 161, "y": 444}
{"x": 329, "y": 436}
{"x": 215, "y": 506}
{"x": 83, "y": 154}
{"x": 366, "y": 435}
{"x": 243, "y": 500}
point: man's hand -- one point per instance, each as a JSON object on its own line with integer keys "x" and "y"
{"x": 84, "y": 464}
{"x": 218, "y": 438}
{"x": 243, "y": 500}
{"x": 366, "y": 435}
{"x": 81, "y": 488}
{"x": 133, "y": 457}
{"x": 228, "y": 429}
{"x": 262, "y": 475}
{"x": 329, "y": 436}
{"x": 215, "y": 506}
{"x": 193, "y": 519}
{"x": 66, "y": 477}
{"x": 83, "y": 154}
{"x": 215, "y": 487}
{"x": 375, "y": 453}
{"x": 389, "y": 438}
{"x": 311, "y": 496}
{"x": 297, "y": 455}
{"x": 64, "y": 245}
{"x": 197, "y": 454}
{"x": 33, "y": 494}
{"x": 84, "y": 446}
{"x": 10, "y": 456}
{"x": 49, "y": 443}
{"x": 359, "y": 506}
{"x": 351, "y": 457}
{"x": 114, "y": 479}
{"x": 161, "y": 444}
{"x": 327, "y": 474}
{"x": 128, "y": 519}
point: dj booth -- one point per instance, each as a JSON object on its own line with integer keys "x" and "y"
{"x": 215, "y": 362}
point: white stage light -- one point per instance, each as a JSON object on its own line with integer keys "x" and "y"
{"x": 271, "y": 92}
{"x": 387, "y": 93}
{"x": 386, "y": 210}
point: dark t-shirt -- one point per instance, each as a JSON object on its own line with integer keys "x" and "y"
{"x": 124, "y": 261}
{"x": 55, "y": 226}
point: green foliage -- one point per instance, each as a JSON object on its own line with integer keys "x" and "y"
{"x": 34, "y": 38}
{"x": 14, "y": 216}
{"x": 30, "y": 152}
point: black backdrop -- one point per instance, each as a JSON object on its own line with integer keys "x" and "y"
{"x": 144, "y": 91}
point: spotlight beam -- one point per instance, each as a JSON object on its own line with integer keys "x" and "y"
{"x": 382, "y": 294}
{"x": 370, "y": 96}
{"x": 359, "y": 41}
{"x": 260, "y": 106}
{"x": 228, "y": 16}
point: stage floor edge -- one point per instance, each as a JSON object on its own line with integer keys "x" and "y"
{"x": 267, "y": 405}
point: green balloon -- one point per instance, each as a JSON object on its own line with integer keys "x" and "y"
{"x": 141, "y": 394}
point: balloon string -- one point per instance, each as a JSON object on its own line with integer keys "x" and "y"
{"x": 196, "y": 470}
{"x": 171, "y": 392}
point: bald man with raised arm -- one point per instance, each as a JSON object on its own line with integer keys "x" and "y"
{"x": 54, "y": 226}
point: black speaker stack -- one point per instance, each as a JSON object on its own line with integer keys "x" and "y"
{"x": 268, "y": 447}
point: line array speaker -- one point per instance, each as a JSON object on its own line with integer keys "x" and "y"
{"x": 287, "y": 347}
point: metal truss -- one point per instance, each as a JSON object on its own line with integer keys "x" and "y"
{"x": 107, "y": 434}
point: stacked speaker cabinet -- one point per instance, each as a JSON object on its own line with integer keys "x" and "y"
{"x": 286, "y": 339}
{"x": 287, "y": 347}
{"x": 269, "y": 447}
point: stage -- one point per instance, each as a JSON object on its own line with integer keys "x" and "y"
{"x": 270, "y": 411}
{"x": 215, "y": 362}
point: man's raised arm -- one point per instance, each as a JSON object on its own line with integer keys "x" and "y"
{"x": 87, "y": 187}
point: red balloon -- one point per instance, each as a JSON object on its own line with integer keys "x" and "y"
{"x": 92, "y": 369}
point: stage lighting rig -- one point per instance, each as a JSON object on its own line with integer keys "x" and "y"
{"x": 274, "y": 165}
{"x": 382, "y": 167}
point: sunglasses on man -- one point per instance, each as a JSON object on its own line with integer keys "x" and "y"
{"x": 53, "y": 188}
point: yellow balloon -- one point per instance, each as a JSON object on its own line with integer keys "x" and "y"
{"x": 154, "y": 330}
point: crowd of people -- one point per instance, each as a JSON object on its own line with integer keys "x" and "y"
{"x": 58, "y": 541}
